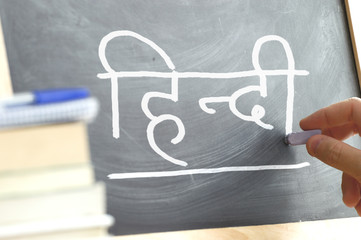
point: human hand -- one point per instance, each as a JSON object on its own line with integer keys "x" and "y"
{"x": 338, "y": 122}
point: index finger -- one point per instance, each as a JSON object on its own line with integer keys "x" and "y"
{"x": 338, "y": 114}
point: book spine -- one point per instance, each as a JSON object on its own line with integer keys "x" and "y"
{"x": 55, "y": 225}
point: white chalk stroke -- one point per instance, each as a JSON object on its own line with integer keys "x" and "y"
{"x": 205, "y": 171}
{"x": 257, "y": 112}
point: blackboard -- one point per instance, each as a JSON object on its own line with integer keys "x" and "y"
{"x": 201, "y": 91}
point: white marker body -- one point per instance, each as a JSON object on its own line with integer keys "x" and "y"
{"x": 20, "y": 99}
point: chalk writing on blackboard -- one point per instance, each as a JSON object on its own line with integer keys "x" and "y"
{"x": 205, "y": 171}
{"x": 257, "y": 112}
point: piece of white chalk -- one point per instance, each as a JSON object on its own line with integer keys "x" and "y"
{"x": 299, "y": 138}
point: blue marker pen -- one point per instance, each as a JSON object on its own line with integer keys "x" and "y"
{"x": 44, "y": 97}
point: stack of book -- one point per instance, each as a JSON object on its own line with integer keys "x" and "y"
{"x": 47, "y": 184}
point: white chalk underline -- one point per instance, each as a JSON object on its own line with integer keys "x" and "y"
{"x": 210, "y": 75}
{"x": 206, "y": 171}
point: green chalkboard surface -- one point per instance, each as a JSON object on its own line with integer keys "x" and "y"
{"x": 196, "y": 98}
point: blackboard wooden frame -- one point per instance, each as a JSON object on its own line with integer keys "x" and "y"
{"x": 353, "y": 22}
{"x": 5, "y": 81}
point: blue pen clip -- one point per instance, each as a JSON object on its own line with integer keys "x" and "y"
{"x": 59, "y": 95}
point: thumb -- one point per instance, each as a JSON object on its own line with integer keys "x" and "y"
{"x": 337, "y": 154}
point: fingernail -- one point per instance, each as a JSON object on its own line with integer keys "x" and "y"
{"x": 315, "y": 141}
